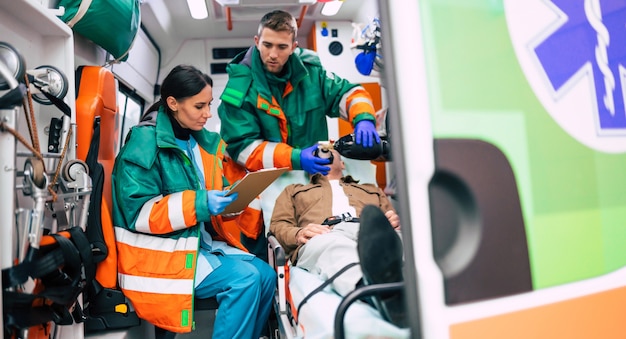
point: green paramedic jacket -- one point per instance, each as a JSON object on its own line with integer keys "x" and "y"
{"x": 157, "y": 207}
{"x": 262, "y": 130}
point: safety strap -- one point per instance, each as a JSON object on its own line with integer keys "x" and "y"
{"x": 84, "y": 250}
{"x": 26, "y": 310}
{"x": 60, "y": 104}
{"x": 20, "y": 273}
{"x": 335, "y": 219}
{"x": 94, "y": 218}
{"x": 80, "y": 13}
{"x": 323, "y": 286}
{"x": 64, "y": 269}
{"x": 13, "y": 97}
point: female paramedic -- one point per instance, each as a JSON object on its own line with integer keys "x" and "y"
{"x": 167, "y": 199}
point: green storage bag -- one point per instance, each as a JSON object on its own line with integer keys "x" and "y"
{"x": 110, "y": 24}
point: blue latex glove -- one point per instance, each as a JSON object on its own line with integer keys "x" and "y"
{"x": 312, "y": 164}
{"x": 365, "y": 133}
{"x": 218, "y": 202}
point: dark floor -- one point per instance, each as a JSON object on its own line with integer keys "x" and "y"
{"x": 204, "y": 328}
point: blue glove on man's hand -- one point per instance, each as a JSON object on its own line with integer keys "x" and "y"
{"x": 365, "y": 133}
{"x": 312, "y": 164}
{"x": 218, "y": 202}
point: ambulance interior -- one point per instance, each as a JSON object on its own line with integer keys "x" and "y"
{"x": 78, "y": 84}
{"x": 506, "y": 121}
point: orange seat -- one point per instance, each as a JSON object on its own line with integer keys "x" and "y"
{"x": 97, "y": 97}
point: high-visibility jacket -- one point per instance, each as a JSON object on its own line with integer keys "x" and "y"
{"x": 266, "y": 120}
{"x": 158, "y": 207}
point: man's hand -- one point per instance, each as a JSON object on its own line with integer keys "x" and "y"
{"x": 365, "y": 133}
{"x": 307, "y": 232}
{"x": 393, "y": 218}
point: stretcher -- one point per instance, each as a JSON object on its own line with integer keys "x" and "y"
{"x": 325, "y": 314}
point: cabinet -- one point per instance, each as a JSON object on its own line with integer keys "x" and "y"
{"x": 42, "y": 40}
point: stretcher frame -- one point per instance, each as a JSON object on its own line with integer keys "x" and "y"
{"x": 288, "y": 327}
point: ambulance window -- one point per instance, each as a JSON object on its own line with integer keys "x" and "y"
{"x": 130, "y": 106}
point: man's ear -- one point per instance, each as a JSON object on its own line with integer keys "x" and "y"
{"x": 256, "y": 41}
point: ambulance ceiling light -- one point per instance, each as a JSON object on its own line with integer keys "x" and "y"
{"x": 198, "y": 9}
{"x": 331, "y": 8}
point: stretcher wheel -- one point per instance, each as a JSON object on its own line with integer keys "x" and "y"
{"x": 51, "y": 80}
{"x": 34, "y": 168}
{"x": 73, "y": 169}
{"x": 14, "y": 63}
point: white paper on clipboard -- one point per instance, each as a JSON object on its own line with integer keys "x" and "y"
{"x": 250, "y": 186}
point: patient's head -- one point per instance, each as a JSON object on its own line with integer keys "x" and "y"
{"x": 336, "y": 167}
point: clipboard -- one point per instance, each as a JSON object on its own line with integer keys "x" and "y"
{"x": 250, "y": 186}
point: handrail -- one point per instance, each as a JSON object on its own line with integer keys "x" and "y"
{"x": 357, "y": 294}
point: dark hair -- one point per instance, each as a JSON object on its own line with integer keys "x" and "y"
{"x": 182, "y": 82}
{"x": 279, "y": 21}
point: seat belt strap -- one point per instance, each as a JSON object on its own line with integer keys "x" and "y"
{"x": 323, "y": 286}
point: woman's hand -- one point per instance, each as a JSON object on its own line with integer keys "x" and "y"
{"x": 218, "y": 201}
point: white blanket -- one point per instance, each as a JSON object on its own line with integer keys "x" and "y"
{"x": 317, "y": 315}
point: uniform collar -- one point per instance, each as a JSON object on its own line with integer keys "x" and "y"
{"x": 165, "y": 136}
{"x": 296, "y": 71}
{"x": 317, "y": 178}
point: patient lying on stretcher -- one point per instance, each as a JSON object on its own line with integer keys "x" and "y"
{"x": 345, "y": 231}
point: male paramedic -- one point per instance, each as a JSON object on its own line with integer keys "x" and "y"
{"x": 274, "y": 107}
{"x": 332, "y": 222}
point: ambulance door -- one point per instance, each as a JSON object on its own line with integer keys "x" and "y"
{"x": 510, "y": 124}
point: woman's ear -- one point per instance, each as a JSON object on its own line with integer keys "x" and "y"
{"x": 172, "y": 103}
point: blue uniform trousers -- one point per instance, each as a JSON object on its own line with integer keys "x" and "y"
{"x": 245, "y": 290}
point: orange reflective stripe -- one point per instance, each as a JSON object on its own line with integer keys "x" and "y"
{"x": 134, "y": 258}
{"x": 162, "y": 215}
{"x": 279, "y": 155}
{"x": 159, "y": 221}
{"x": 255, "y": 160}
{"x": 358, "y": 108}
{"x": 359, "y": 102}
{"x": 282, "y": 156}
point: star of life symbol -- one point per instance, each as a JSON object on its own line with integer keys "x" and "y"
{"x": 573, "y": 52}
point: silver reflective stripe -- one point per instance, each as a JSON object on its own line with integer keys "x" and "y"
{"x": 246, "y": 152}
{"x": 155, "y": 285}
{"x": 175, "y": 211}
{"x": 142, "y": 224}
{"x": 268, "y": 155}
{"x": 255, "y": 203}
{"x": 343, "y": 110}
